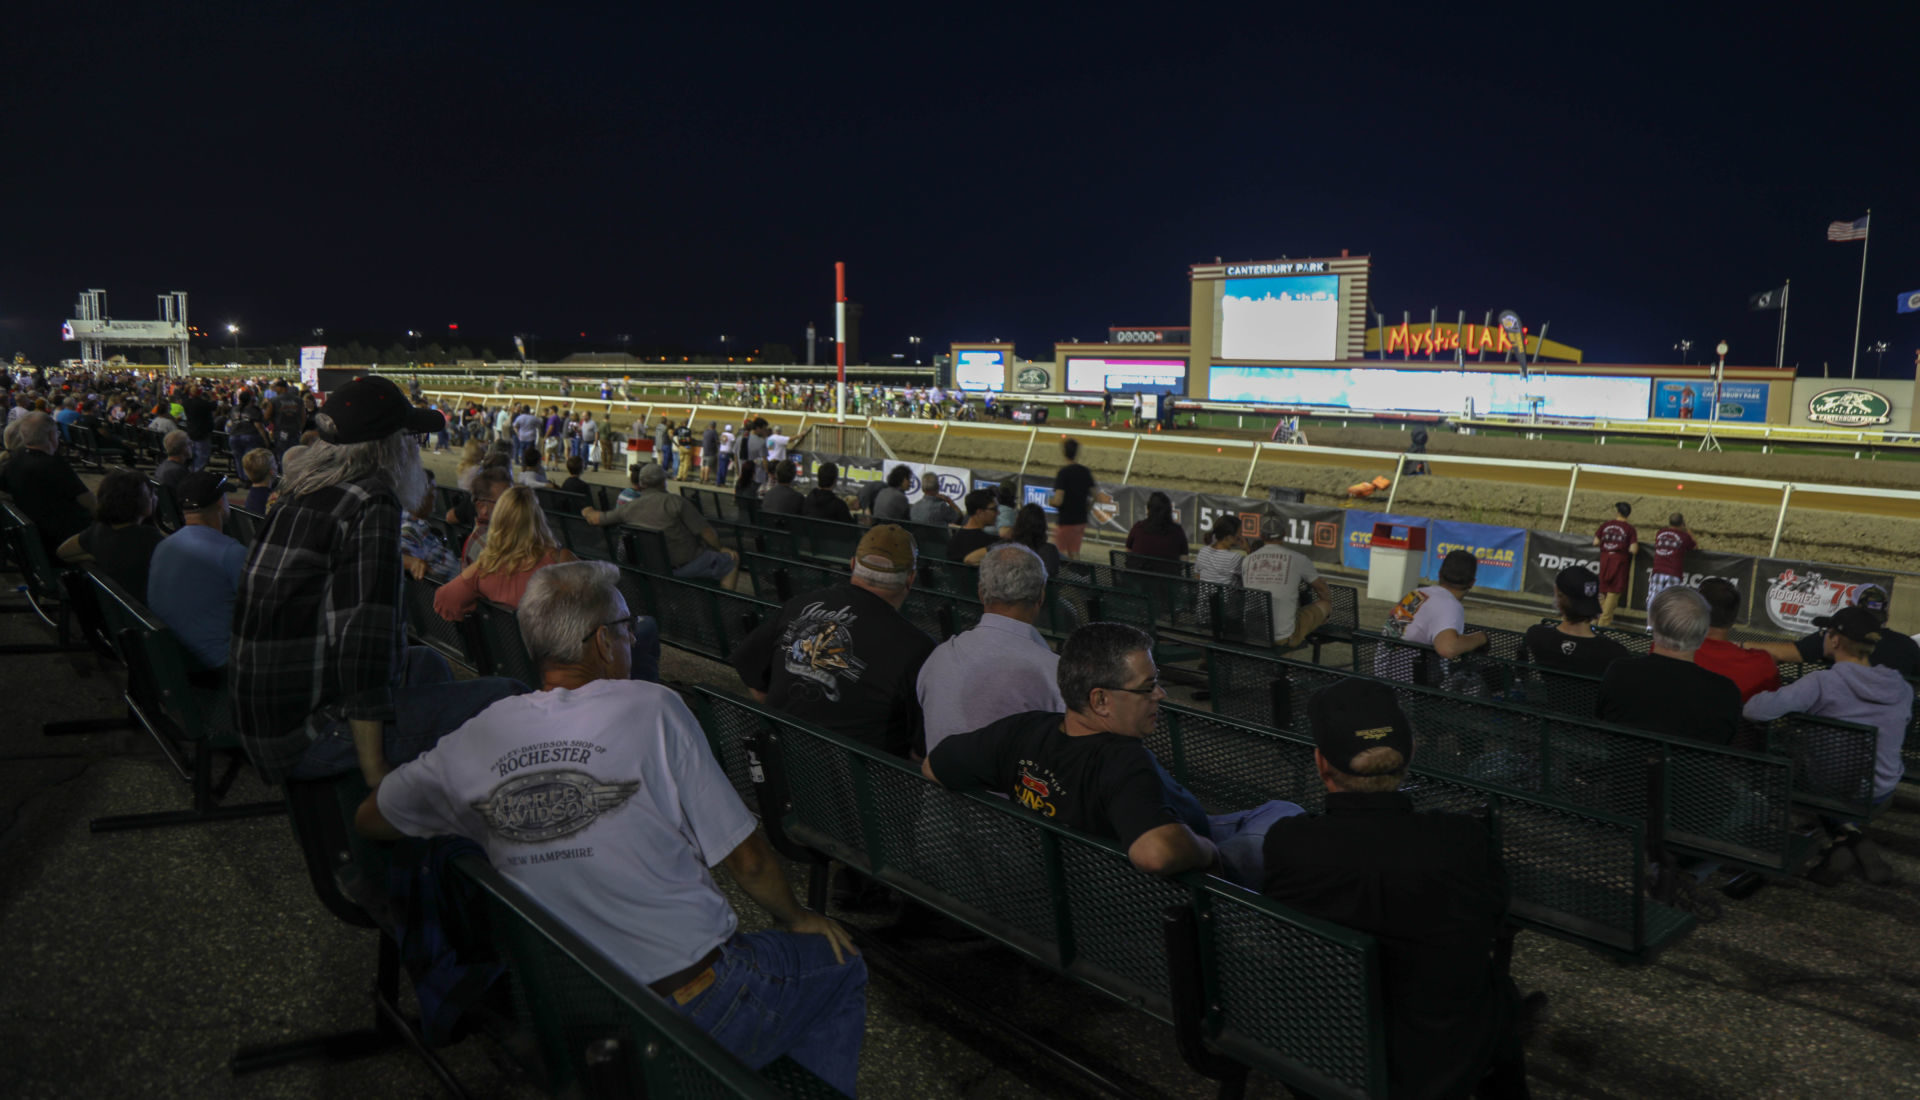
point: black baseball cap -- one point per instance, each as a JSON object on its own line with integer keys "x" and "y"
{"x": 201, "y": 490}
{"x": 1581, "y": 588}
{"x": 1855, "y": 622}
{"x": 1355, "y": 715}
{"x": 371, "y": 408}
{"x": 1873, "y": 598}
{"x": 1459, "y": 567}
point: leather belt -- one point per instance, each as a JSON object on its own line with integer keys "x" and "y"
{"x": 680, "y": 979}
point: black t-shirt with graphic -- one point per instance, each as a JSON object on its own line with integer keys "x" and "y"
{"x": 843, "y": 659}
{"x": 1105, "y": 784}
{"x": 1549, "y": 648}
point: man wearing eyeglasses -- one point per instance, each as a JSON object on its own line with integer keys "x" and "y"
{"x": 1090, "y": 769}
{"x": 599, "y": 796}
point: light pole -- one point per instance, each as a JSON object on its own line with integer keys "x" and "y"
{"x": 1719, "y": 373}
{"x": 233, "y": 330}
{"x": 1879, "y": 351}
{"x": 413, "y": 344}
{"x": 913, "y": 349}
{"x": 1683, "y": 347}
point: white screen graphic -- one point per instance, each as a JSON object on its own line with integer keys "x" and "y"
{"x": 1100, "y": 375}
{"x": 1290, "y": 317}
{"x": 981, "y": 370}
{"x": 1441, "y": 391}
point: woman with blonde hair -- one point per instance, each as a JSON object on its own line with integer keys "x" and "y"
{"x": 472, "y": 455}
{"x": 519, "y": 544}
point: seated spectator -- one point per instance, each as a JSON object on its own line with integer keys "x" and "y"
{"x": 633, "y": 484}
{"x": 824, "y": 502}
{"x": 635, "y": 884}
{"x": 933, "y": 508}
{"x": 532, "y": 468}
{"x": 488, "y": 486}
{"x": 43, "y": 485}
{"x": 1030, "y": 531}
{"x": 1003, "y": 653}
{"x": 1090, "y": 769}
{"x": 969, "y": 543}
{"x": 519, "y": 544}
{"x": 257, "y": 465}
{"x": 1006, "y": 506}
{"x": 1286, "y": 576}
{"x": 195, "y": 573}
{"x": 576, "y": 485}
{"x": 120, "y": 541}
{"x": 1571, "y": 645}
{"x": 781, "y": 498}
{"x": 1853, "y": 690}
{"x": 843, "y": 657}
{"x": 1751, "y": 670}
{"x": 1433, "y": 616}
{"x": 1160, "y": 534}
{"x": 178, "y": 462}
{"x": 1665, "y": 691}
{"x": 1220, "y": 558}
{"x": 422, "y": 554}
{"x": 748, "y": 486}
{"x": 890, "y": 500}
{"x": 323, "y": 680}
{"x": 1894, "y": 650}
{"x": 1429, "y": 887}
{"x": 693, "y": 549}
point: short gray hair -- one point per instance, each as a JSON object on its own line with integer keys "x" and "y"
{"x": 38, "y": 430}
{"x": 1011, "y": 573}
{"x": 1679, "y": 618}
{"x": 176, "y": 442}
{"x": 1096, "y": 656}
{"x": 563, "y": 606}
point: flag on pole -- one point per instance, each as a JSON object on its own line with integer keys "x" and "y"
{"x": 1910, "y": 302}
{"x": 1855, "y": 230}
{"x": 1768, "y": 299}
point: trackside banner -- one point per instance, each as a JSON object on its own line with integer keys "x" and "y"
{"x": 1788, "y": 595}
{"x": 1357, "y": 536}
{"x": 1501, "y": 551}
{"x": 1548, "y": 552}
{"x": 1307, "y": 529}
{"x": 1736, "y": 569}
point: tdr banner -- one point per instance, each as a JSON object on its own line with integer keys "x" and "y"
{"x": 1499, "y": 550}
{"x": 1548, "y": 552}
{"x": 1736, "y": 569}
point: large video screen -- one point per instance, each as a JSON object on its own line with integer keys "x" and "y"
{"x": 1288, "y": 317}
{"x": 1127, "y": 375}
{"x": 978, "y": 371}
{"x": 1438, "y": 391}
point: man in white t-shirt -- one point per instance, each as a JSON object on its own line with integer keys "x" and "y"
{"x": 599, "y": 796}
{"x": 1282, "y": 573}
{"x": 777, "y": 446}
{"x": 1433, "y": 616}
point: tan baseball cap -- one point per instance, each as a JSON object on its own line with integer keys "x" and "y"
{"x": 886, "y": 555}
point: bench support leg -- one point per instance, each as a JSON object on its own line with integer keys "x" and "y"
{"x": 1188, "y": 994}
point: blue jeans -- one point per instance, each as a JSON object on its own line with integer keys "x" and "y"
{"x": 428, "y": 704}
{"x": 1242, "y": 840}
{"x": 202, "y": 453}
{"x": 781, "y": 993}
{"x": 720, "y": 471}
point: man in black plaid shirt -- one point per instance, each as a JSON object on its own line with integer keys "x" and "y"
{"x": 322, "y": 676}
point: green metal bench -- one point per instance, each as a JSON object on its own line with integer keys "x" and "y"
{"x": 700, "y": 618}
{"x": 1234, "y": 973}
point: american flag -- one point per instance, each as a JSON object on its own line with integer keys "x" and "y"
{"x": 1855, "y": 230}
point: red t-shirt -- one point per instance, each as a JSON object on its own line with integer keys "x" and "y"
{"x": 1750, "y": 670}
{"x": 1670, "y": 549}
{"x": 1615, "y": 536}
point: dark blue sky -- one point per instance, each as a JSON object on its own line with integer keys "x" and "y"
{"x": 986, "y": 171}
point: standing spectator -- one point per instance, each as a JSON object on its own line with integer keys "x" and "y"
{"x": 1853, "y": 690}
{"x": 710, "y": 452}
{"x": 783, "y": 499}
{"x": 776, "y": 445}
{"x": 725, "y": 456}
{"x": 890, "y": 501}
{"x": 1894, "y": 650}
{"x": 1106, "y": 409}
{"x": 1159, "y": 535}
{"x": 323, "y": 679}
{"x": 970, "y": 542}
{"x": 526, "y": 429}
{"x": 1665, "y": 691}
{"x": 246, "y": 428}
{"x": 553, "y": 434}
{"x": 1429, "y": 887}
{"x": 1571, "y": 645}
{"x": 843, "y": 657}
{"x": 1671, "y": 545}
{"x": 199, "y": 425}
{"x": 663, "y": 445}
{"x": 1618, "y": 543}
{"x": 1751, "y": 670}
{"x": 1090, "y": 769}
{"x": 177, "y": 463}
{"x": 1139, "y": 411}
{"x": 590, "y": 440}
{"x": 43, "y": 485}
{"x": 1072, "y": 490}
{"x": 642, "y": 892}
{"x": 693, "y": 550}
{"x": 1286, "y": 575}
{"x": 519, "y": 544}
{"x": 756, "y": 450}
{"x": 1003, "y": 650}
{"x": 1219, "y": 560}
{"x": 120, "y": 541}
{"x": 194, "y": 574}
{"x": 823, "y": 502}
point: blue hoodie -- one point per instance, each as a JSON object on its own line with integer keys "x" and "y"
{"x": 1873, "y": 695}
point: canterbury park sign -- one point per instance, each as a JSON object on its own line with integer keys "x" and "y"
{"x": 1032, "y": 378}
{"x": 1849, "y": 407}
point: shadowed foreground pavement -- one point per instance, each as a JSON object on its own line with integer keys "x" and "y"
{"x": 137, "y": 961}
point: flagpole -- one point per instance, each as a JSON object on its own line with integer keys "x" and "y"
{"x": 1865, "y": 240}
{"x": 1780, "y": 345}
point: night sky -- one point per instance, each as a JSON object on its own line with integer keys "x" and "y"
{"x": 676, "y": 172}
